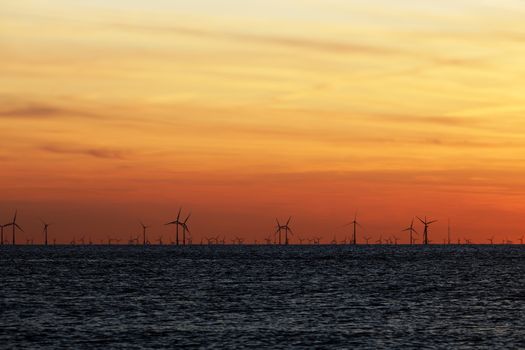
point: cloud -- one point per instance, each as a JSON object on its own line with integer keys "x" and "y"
{"x": 40, "y": 111}
{"x": 436, "y": 120}
{"x": 104, "y": 153}
{"x": 32, "y": 111}
{"x": 285, "y": 41}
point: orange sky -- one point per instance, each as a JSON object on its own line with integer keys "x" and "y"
{"x": 242, "y": 111}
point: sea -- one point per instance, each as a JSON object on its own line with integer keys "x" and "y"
{"x": 263, "y": 297}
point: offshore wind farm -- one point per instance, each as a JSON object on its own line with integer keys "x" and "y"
{"x": 262, "y": 174}
{"x": 282, "y": 235}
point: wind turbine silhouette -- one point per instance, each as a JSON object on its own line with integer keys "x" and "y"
{"x": 355, "y": 224}
{"x": 521, "y": 240}
{"x": 185, "y": 229}
{"x": 15, "y": 226}
{"x": 427, "y": 223}
{"x": 144, "y": 228}
{"x": 411, "y": 230}
{"x": 286, "y": 228}
{"x": 46, "y": 225}
{"x": 177, "y": 223}
{"x": 491, "y": 240}
{"x": 278, "y": 230}
{"x": 2, "y": 234}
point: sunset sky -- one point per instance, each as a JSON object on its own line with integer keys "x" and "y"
{"x": 242, "y": 111}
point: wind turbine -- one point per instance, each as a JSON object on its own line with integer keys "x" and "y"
{"x": 184, "y": 229}
{"x": 354, "y": 223}
{"x": 15, "y": 226}
{"x": 286, "y": 228}
{"x": 521, "y": 240}
{"x": 46, "y": 225}
{"x": 411, "y": 230}
{"x": 491, "y": 240}
{"x": 278, "y": 230}
{"x": 2, "y": 234}
{"x": 144, "y": 228}
{"x": 177, "y": 223}
{"x": 427, "y": 223}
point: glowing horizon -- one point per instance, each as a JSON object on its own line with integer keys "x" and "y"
{"x": 244, "y": 111}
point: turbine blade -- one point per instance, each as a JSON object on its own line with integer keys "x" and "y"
{"x": 287, "y": 222}
{"x": 431, "y": 222}
{"x": 420, "y": 220}
{"x": 178, "y": 215}
{"x": 19, "y": 227}
{"x": 187, "y": 218}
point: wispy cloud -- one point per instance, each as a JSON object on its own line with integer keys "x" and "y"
{"x": 285, "y": 41}
{"x": 40, "y": 111}
{"x": 97, "y": 152}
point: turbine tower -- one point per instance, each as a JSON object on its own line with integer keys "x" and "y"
{"x": 185, "y": 229}
{"x": 411, "y": 230}
{"x": 46, "y": 225}
{"x": 144, "y": 228}
{"x": 286, "y": 229}
{"x": 354, "y": 223}
{"x": 177, "y": 223}
{"x": 278, "y": 230}
{"x": 15, "y": 226}
{"x": 427, "y": 223}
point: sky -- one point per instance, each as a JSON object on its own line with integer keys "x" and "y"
{"x": 241, "y": 111}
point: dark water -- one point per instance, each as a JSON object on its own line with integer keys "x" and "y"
{"x": 262, "y": 297}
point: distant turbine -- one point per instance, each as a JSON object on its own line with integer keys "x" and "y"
{"x": 15, "y": 226}
{"x": 46, "y": 225}
{"x": 491, "y": 240}
{"x": 185, "y": 229}
{"x": 286, "y": 228}
{"x": 144, "y": 228}
{"x": 278, "y": 230}
{"x": 411, "y": 230}
{"x": 427, "y": 223}
{"x": 367, "y": 239}
{"x": 177, "y": 223}
{"x": 354, "y": 223}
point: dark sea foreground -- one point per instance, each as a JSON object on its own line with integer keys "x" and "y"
{"x": 375, "y": 297}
